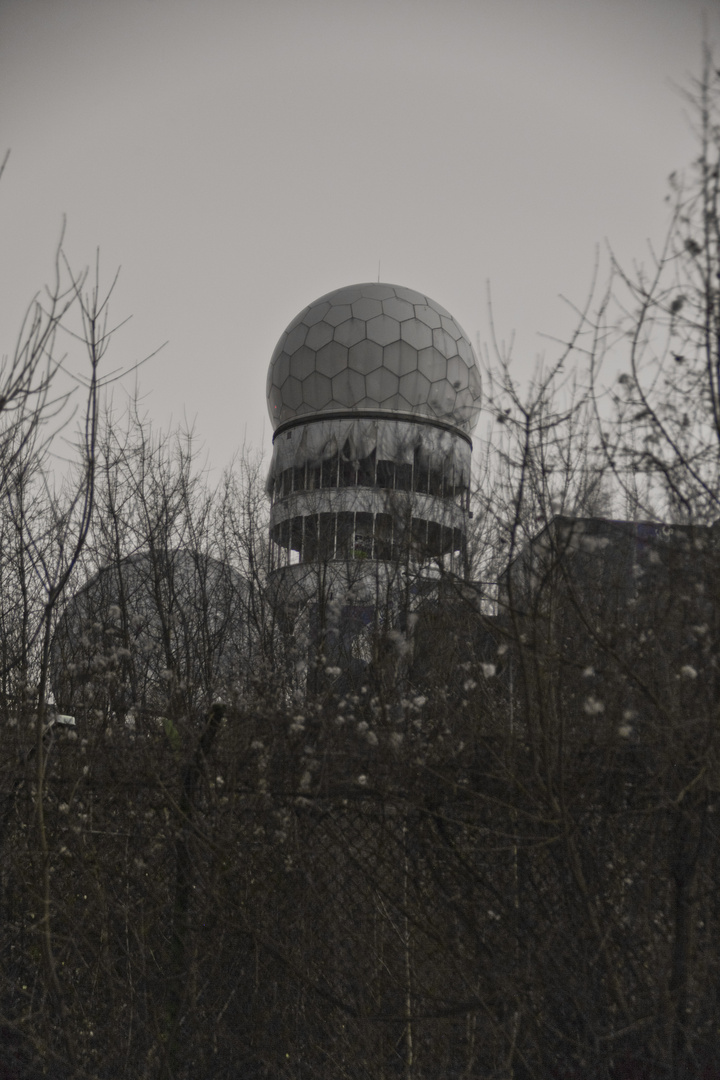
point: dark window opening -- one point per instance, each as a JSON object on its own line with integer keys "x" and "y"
{"x": 403, "y": 477}
{"x": 327, "y": 536}
{"x": 296, "y": 534}
{"x": 402, "y": 534}
{"x": 383, "y": 536}
{"x": 366, "y": 471}
{"x": 310, "y": 547}
{"x": 348, "y": 473}
{"x": 330, "y": 472}
{"x": 314, "y": 476}
{"x": 435, "y": 482}
{"x": 386, "y": 474}
{"x": 345, "y": 530}
{"x": 434, "y": 538}
{"x": 419, "y": 535}
{"x": 421, "y": 474}
{"x": 363, "y": 536}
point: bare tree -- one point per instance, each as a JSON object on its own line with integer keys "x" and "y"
{"x": 473, "y": 835}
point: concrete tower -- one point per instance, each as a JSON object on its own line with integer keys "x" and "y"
{"x": 373, "y": 391}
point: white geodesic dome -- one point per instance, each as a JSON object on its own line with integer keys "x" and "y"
{"x": 375, "y": 347}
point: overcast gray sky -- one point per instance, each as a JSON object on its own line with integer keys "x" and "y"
{"x": 239, "y": 159}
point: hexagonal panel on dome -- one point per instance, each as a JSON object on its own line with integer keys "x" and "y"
{"x": 452, "y": 328}
{"x": 400, "y": 357}
{"x": 315, "y": 313}
{"x": 292, "y": 392}
{"x": 457, "y": 373}
{"x": 416, "y": 333}
{"x": 383, "y": 329}
{"x": 467, "y": 408}
{"x": 331, "y": 359}
{"x": 366, "y": 356}
{"x": 414, "y": 387}
{"x": 281, "y": 369}
{"x": 395, "y": 403}
{"x": 439, "y": 308}
{"x": 338, "y": 313}
{"x": 295, "y": 339}
{"x": 381, "y": 384}
{"x": 378, "y": 290}
{"x": 398, "y": 309}
{"x": 275, "y": 405}
{"x": 367, "y": 308}
{"x": 319, "y": 335}
{"x": 302, "y": 362}
{"x": 348, "y": 388}
{"x": 428, "y": 315}
{"x": 410, "y": 295}
{"x": 278, "y": 349}
{"x": 350, "y": 332}
{"x": 348, "y": 294}
{"x": 298, "y": 319}
{"x": 444, "y": 343}
{"x": 467, "y": 352}
{"x": 432, "y": 364}
{"x": 441, "y": 398}
{"x": 317, "y": 391}
{"x": 464, "y": 411}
